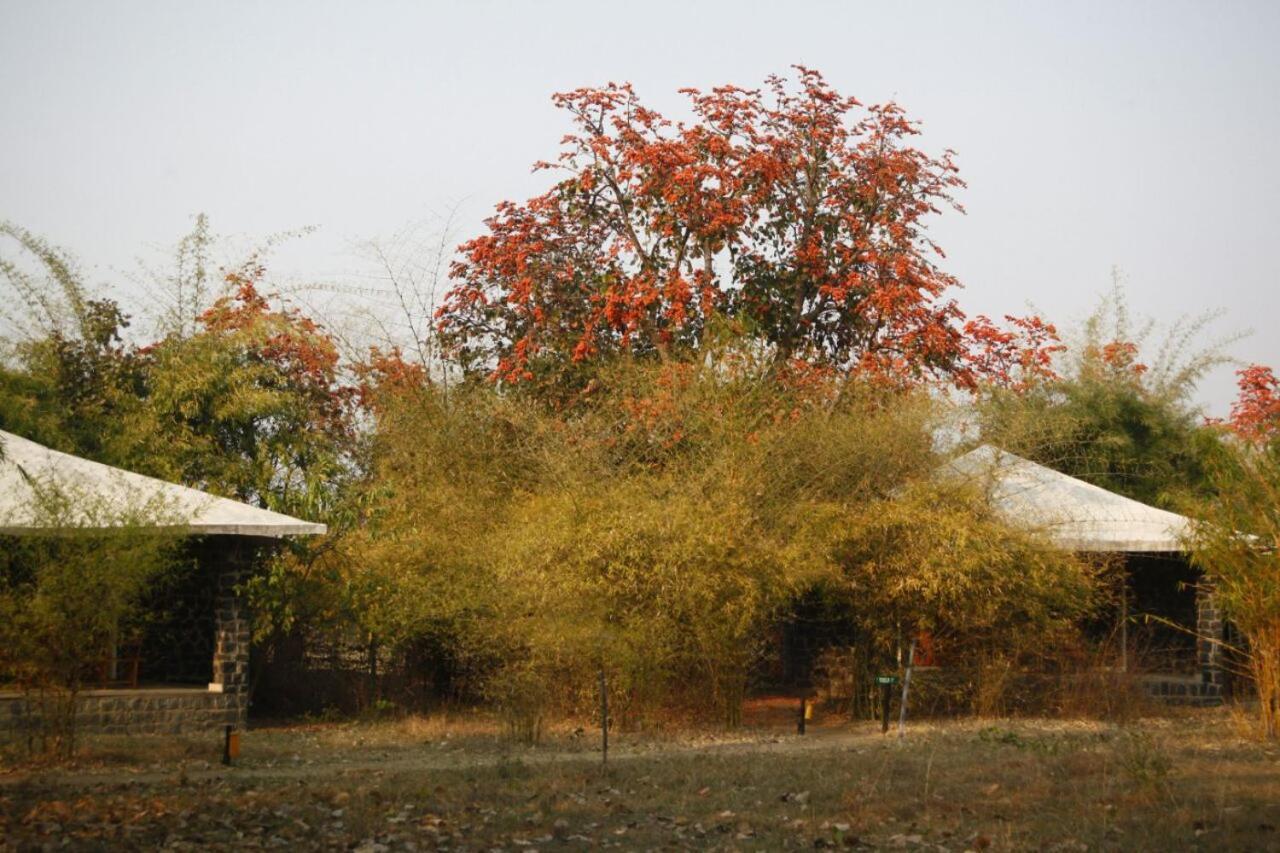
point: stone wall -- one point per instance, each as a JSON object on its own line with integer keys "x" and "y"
{"x": 142, "y": 711}
{"x": 232, "y": 626}
{"x": 1181, "y": 690}
{"x": 173, "y": 709}
{"x": 1209, "y": 636}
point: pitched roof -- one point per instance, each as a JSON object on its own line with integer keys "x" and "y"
{"x": 25, "y": 466}
{"x": 1075, "y": 515}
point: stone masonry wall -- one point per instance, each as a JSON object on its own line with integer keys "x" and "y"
{"x": 143, "y": 711}
{"x": 1209, "y": 633}
{"x": 168, "y": 710}
{"x": 232, "y": 629}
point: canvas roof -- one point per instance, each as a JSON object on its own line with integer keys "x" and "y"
{"x": 1075, "y": 515}
{"x": 27, "y": 467}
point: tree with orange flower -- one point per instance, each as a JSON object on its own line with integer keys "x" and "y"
{"x": 792, "y": 218}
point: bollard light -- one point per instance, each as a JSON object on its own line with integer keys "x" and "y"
{"x": 230, "y": 744}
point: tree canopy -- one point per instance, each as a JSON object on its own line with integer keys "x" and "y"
{"x": 792, "y": 217}
{"x": 1111, "y": 413}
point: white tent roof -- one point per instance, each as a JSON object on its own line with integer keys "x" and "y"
{"x": 1075, "y": 515}
{"x": 26, "y": 466}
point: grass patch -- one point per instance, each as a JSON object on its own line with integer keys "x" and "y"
{"x": 1189, "y": 782}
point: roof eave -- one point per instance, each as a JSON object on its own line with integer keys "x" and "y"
{"x": 274, "y": 531}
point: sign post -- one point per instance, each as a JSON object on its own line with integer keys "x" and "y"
{"x": 906, "y": 686}
{"x": 886, "y": 683}
{"x": 604, "y": 719}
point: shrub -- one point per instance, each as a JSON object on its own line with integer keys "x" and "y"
{"x": 662, "y": 525}
{"x": 1236, "y": 545}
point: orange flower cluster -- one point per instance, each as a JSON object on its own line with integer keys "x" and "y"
{"x": 1017, "y": 358}
{"x": 293, "y": 344}
{"x": 1122, "y": 357}
{"x": 386, "y": 373}
{"x": 1255, "y": 415}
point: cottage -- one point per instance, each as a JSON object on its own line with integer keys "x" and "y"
{"x": 191, "y": 672}
{"x": 1081, "y": 517}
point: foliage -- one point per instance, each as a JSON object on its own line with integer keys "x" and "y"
{"x": 243, "y": 399}
{"x": 1017, "y": 358}
{"x": 1255, "y": 415}
{"x": 1236, "y": 545}
{"x": 68, "y": 594}
{"x": 66, "y": 374}
{"x": 75, "y": 391}
{"x": 252, "y": 405}
{"x": 792, "y": 217}
{"x": 187, "y": 288}
{"x": 936, "y": 559}
{"x": 52, "y": 297}
{"x": 662, "y": 527}
{"x": 1109, "y": 417}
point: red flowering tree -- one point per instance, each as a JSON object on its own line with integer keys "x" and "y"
{"x": 254, "y": 404}
{"x": 385, "y": 373}
{"x": 791, "y": 215}
{"x": 1255, "y": 415}
{"x": 1017, "y": 358}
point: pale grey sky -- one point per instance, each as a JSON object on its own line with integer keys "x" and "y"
{"x": 1137, "y": 134}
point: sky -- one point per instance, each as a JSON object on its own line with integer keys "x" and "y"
{"x": 1133, "y": 135}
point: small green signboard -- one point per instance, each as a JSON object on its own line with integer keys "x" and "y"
{"x": 886, "y": 679}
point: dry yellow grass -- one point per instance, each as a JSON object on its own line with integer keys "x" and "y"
{"x": 1186, "y": 782}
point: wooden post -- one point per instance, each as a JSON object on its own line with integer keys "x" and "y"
{"x": 886, "y": 694}
{"x": 853, "y": 685}
{"x": 604, "y": 719}
{"x": 1124, "y": 623}
{"x": 906, "y": 686}
{"x": 801, "y": 719}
